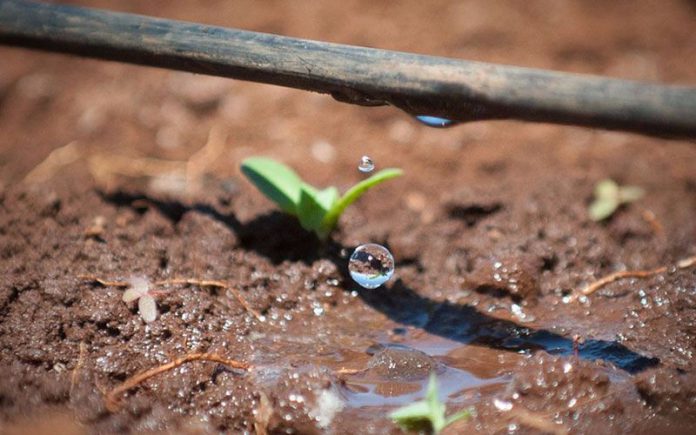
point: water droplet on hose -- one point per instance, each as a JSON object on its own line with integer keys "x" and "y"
{"x": 371, "y": 265}
{"x": 366, "y": 164}
{"x": 435, "y": 121}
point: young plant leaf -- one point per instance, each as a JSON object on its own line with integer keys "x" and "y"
{"x": 147, "y": 308}
{"x": 139, "y": 286}
{"x": 132, "y": 294}
{"x": 461, "y": 415}
{"x": 427, "y": 413}
{"x": 414, "y": 417}
{"x": 310, "y": 211}
{"x": 275, "y": 180}
{"x": 630, "y": 193}
{"x": 607, "y": 189}
{"x": 609, "y": 196}
{"x": 327, "y": 197}
{"x": 355, "y": 192}
{"x": 602, "y": 208}
{"x": 317, "y": 210}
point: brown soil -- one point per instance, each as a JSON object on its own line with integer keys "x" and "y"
{"x": 488, "y": 228}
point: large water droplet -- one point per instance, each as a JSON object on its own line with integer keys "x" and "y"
{"x": 435, "y": 121}
{"x": 371, "y": 265}
{"x": 366, "y": 164}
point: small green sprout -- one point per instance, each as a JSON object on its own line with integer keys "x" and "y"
{"x": 609, "y": 196}
{"x": 427, "y": 413}
{"x": 317, "y": 210}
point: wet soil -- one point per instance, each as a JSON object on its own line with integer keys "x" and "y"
{"x": 488, "y": 228}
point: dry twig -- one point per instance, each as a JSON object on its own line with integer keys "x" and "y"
{"x": 104, "y": 282}
{"x": 649, "y": 217}
{"x": 112, "y": 398}
{"x": 347, "y": 371}
{"x": 596, "y": 285}
{"x": 78, "y": 366}
{"x": 537, "y": 421}
{"x": 216, "y": 284}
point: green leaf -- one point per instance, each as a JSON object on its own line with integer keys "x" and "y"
{"x": 461, "y": 415}
{"x": 630, "y": 193}
{"x": 328, "y": 197}
{"x": 415, "y": 410}
{"x": 609, "y": 196}
{"x": 355, "y": 192}
{"x": 310, "y": 211}
{"x": 413, "y": 417}
{"x": 602, "y": 208}
{"x": 437, "y": 408}
{"x": 317, "y": 210}
{"x": 427, "y": 413}
{"x": 275, "y": 180}
{"x": 607, "y": 188}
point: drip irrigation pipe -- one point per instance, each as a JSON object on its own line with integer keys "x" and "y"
{"x": 455, "y": 89}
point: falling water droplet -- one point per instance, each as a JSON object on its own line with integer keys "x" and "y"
{"x": 435, "y": 121}
{"x": 371, "y": 265}
{"x": 366, "y": 164}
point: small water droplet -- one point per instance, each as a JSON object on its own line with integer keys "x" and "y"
{"x": 371, "y": 265}
{"x": 435, "y": 121}
{"x": 366, "y": 164}
{"x": 502, "y": 405}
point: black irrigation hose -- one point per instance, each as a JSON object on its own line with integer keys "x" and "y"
{"x": 455, "y": 89}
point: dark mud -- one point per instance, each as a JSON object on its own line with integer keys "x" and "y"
{"x": 488, "y": 228}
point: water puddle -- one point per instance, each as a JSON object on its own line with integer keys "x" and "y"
{"x": 373, "y": 363}
{"x": 456, "y": 387}
{"x": 392, "y": 374}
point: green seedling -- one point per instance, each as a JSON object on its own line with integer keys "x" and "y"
{"x": 428, "y": 413}
{"x": 609, "y": 196}
{"x": 317, "y": 210}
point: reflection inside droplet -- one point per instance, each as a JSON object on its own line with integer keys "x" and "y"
{"x": 366, "y": 164}
{"x": 371, "y": 265}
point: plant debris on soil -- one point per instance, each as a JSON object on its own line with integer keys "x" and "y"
{"x": 531, "y": 314}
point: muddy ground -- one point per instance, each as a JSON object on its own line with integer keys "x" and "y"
{"x": 488, "y": 226}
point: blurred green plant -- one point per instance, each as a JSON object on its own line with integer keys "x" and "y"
{"x": 609, "y": 196}
{"x": 428, "y": 413}
{"x": 317, "y": 210}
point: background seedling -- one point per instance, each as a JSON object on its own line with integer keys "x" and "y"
{"x": 317, "y": 210}
{"x": 609, "y": 196}
{"x": 140, "y": 290}
{"x": 429, "y": 412}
